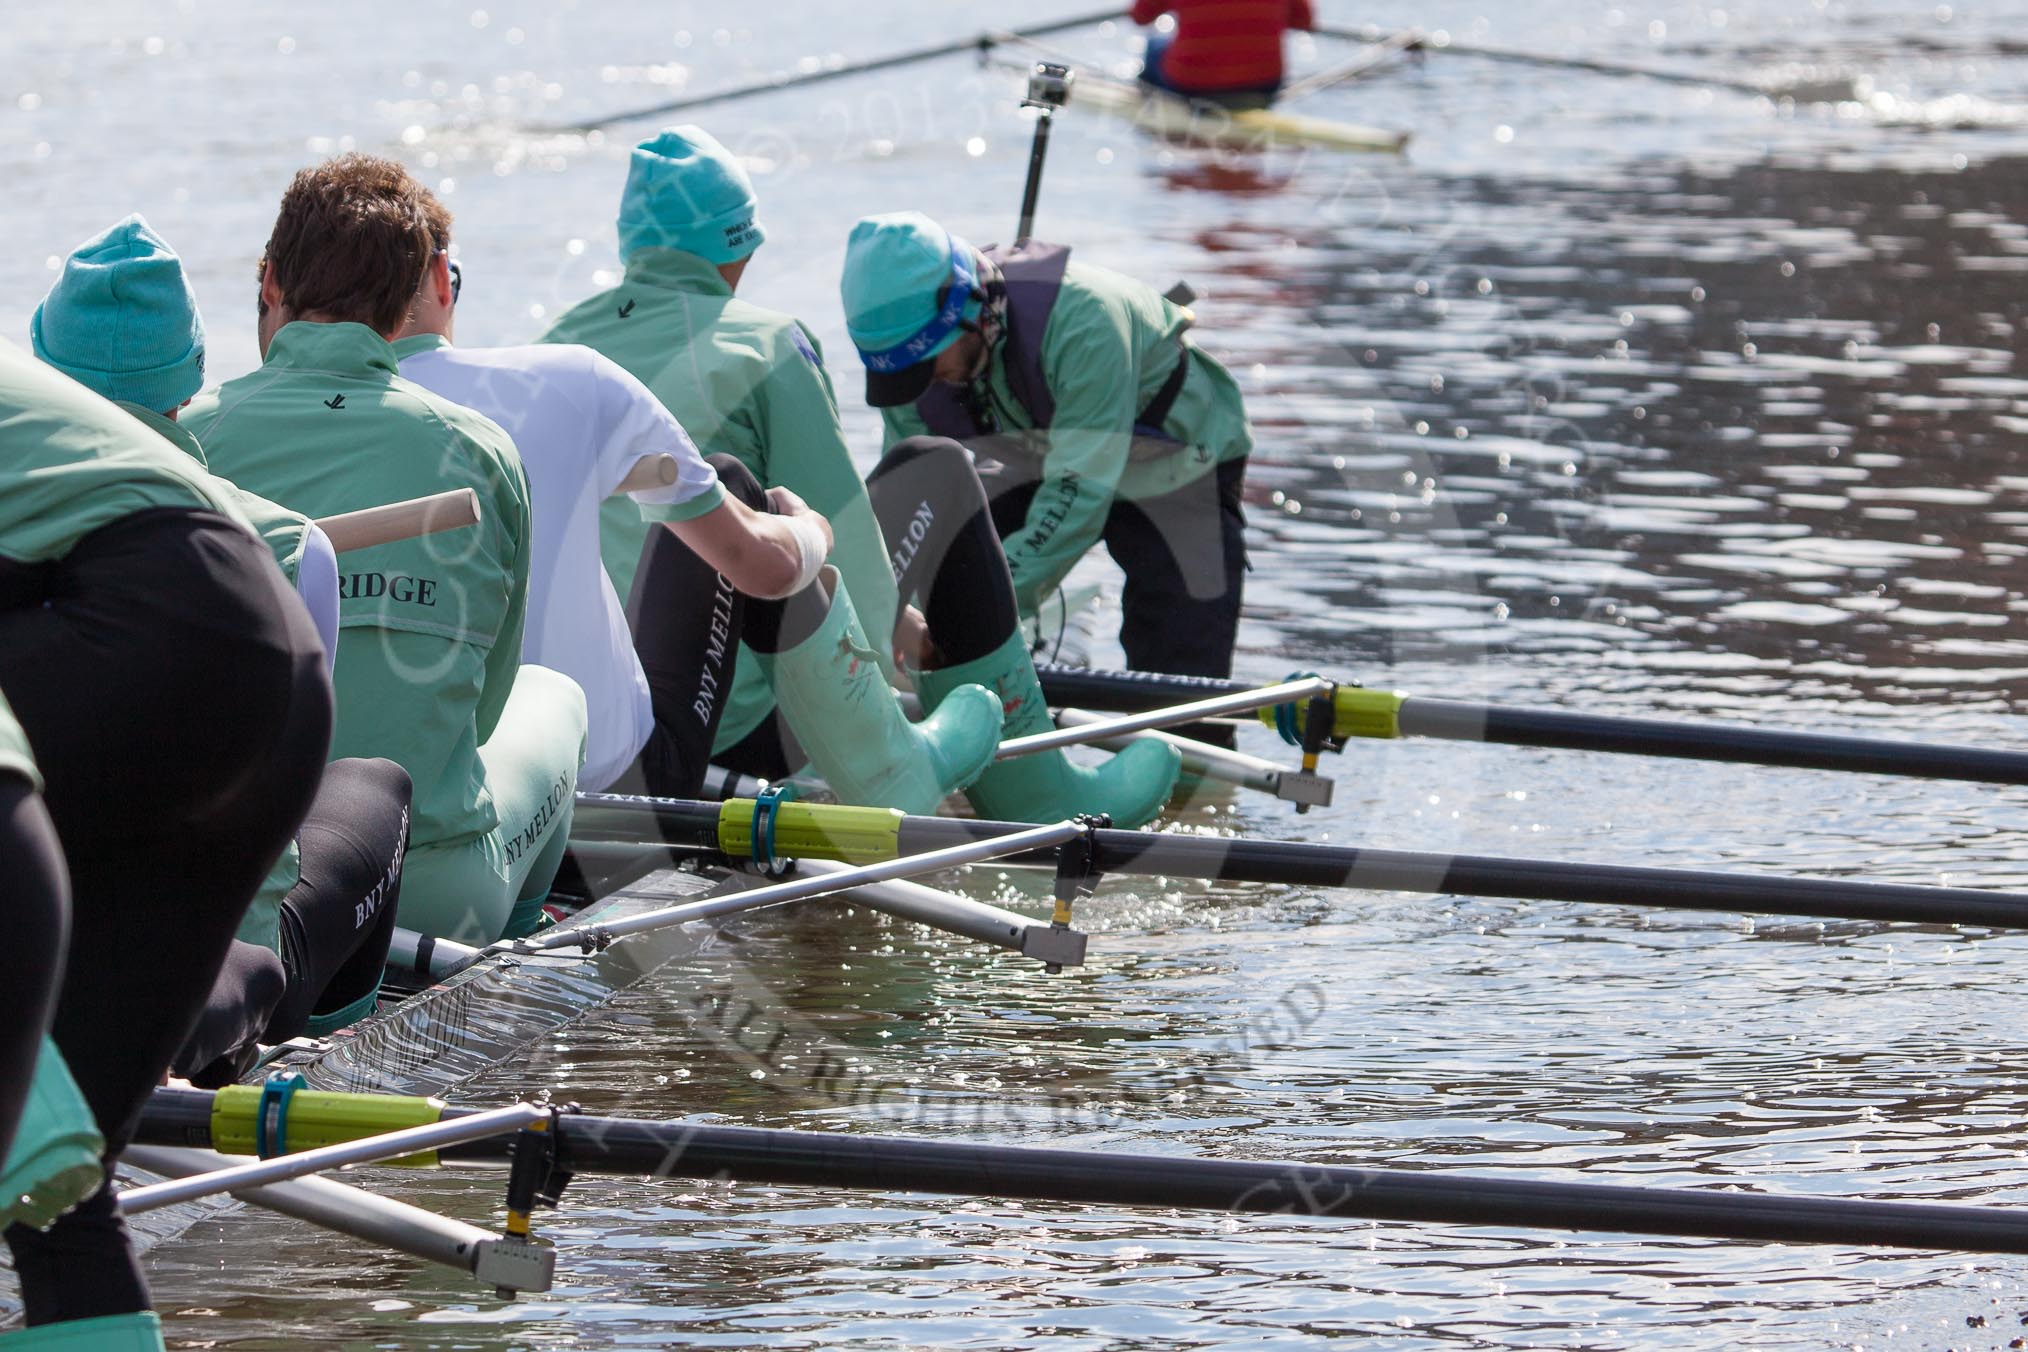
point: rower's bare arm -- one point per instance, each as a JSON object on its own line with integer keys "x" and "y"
{"x": 763, "y": 554}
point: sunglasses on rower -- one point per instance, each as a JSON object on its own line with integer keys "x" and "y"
{"x": 986, "y": 326}
{"x": 457, "y": 275}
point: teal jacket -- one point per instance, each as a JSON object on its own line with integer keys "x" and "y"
{"x": 71, "y": 462}
{"x": 429, "y": 637}
{"x": 282, "y": 530}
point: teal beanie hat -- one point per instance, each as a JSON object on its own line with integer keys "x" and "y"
{"x": 909, "y": 286}
{"x": 686, "y": 191}
{"x": 121, "y": 320}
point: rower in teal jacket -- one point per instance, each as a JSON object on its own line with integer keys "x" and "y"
{"x": 175, "y": 694}
{"x": 1103, "y": 420}
{"x": 750, "y": 383}
{"x": 315, "y": 939}
{"x": 429, "y": 671}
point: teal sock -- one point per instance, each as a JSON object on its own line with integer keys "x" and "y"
{"x": 527, "y": 917}
{"x": 322, "y": 1025}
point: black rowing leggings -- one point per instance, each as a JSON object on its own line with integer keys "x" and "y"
{"x": 687, "y": 647}
{"x": 1184, "y": 554}
{"x": 688, "y": 623}
{"x": 947, "y": 557}
{"x": 947, "y": 561}
{"x": 35, "y": 911}
{"x": 339, "y": 918}
{"x": 225, "y": 1041}
{"x": 174, "y": 691}
{"x": 336, "y": 923}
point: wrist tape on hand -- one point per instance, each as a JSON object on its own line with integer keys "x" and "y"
{"x": 811, "y": 548}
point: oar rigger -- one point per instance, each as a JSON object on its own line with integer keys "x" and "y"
{"x": 1275, "y": 705}
{"x": 820, "y": 839}
{"x": 1077, "y": 877}
{"x": 1305, "y": 787}
{"x": 535, "y": 1177}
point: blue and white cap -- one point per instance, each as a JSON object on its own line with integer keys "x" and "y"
{"x": 909, "y": 287}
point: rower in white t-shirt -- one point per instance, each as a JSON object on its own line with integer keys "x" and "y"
{"x": 654, "y": 679}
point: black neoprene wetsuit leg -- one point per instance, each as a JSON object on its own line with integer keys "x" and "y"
{"x": 35, "y": 910}
{"x": 1184, "y": 554}
{"x": 945, "y": 550}
{"x": 333, "y": 930}
{"x": 688, "y": 623}
{"x": 225, "y": 1041}
{"x": 338, "y": 919}
{"x": 770, "y": 750}
{"x": 686, "y": 619}
{"x": 174, "y": 690}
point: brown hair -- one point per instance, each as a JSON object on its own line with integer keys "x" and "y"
{"x": 353, "y": 239}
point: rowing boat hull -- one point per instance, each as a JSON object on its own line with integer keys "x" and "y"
{"x": 440, "y": 1037}
{"x": 1205, "y": 124}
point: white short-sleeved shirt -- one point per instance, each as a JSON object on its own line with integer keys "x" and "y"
{"x": 581, "y": 423}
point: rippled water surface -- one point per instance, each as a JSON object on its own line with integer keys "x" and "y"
{"x": 1617, "y": 395}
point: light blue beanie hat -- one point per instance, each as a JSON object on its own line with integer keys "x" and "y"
{"x": 686, "y": 191}
{"x": 121, "y": 320}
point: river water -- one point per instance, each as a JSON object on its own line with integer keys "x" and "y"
{"x": 1634, "y": 397}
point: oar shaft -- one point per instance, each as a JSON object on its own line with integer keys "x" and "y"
{"x": 865, "y": 833}
{"x": 605, "y": 1145}
{"x": 1302, "y": 864}
{"x": 1376, "y": 52}
{"x": 1470, "y": 721}
{"x": 1460, "y": 720}
{"x": 1080, "y": 1177}
{"x": 773, "y": 83}
{"x": 1439, "y": 42}
{"x": 682, "y": 822}
{"x": 1128, "y": 691}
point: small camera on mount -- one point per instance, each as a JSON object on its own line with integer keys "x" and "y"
{"x": 1049, "y": 85}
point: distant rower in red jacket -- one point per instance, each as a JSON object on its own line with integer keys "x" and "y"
{"x": 1228, "y": 51}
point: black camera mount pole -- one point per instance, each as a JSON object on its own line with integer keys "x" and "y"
{"x": 1048, "y": 90}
